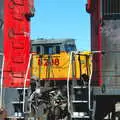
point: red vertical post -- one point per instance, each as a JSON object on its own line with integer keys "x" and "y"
{"x": 96, "y": 40}
{"x": 16, "y": 42}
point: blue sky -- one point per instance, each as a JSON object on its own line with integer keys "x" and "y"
{"x": 62, "y": 19}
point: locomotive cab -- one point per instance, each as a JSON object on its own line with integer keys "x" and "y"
{"x": 52, "y": 46}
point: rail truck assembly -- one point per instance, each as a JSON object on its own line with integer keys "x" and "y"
{"x": 48, "y": 79}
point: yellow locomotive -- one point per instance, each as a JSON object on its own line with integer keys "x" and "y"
{"x": 58, "y": 60}
{"x": 55, "y": 65}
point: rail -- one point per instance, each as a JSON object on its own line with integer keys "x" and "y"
{"x": 1, "y": 81}
{"x": 89, "y": 87}
{"x": 25, "y": 84}
{"x": 68, "y": 79}
{"x": 90, "y": 78}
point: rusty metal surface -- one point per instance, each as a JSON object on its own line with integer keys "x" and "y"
{"x": 111, "y": 48}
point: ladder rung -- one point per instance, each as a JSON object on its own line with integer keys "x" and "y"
{"x": 13, "y": 117}
{"x": 1, "y": 54}
{"x": 22, "y": 88}
{"x": 85, "y": 117}
{"x": 79, "y": 101}
{"x": 80, "y": 115}
{"x": 32, "y": 118}
{"x": 78, "y": 87}
{"x": 17, "y": 102}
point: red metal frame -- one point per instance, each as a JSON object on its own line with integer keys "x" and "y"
{"x": 16, "y": 42}
{"x": 96, "y": 40}
{"x": 88, "y": 5}
{"x": 99, "y": 46}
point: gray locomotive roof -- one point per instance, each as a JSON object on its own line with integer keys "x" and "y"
{"x": 53, "y": 41}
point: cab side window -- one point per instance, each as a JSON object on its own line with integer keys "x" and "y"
{"x": 38, "y": 50}
{"x": 69, "y": 48}
{"x": 57, "y": 49}
{"x": 51, "y": 49}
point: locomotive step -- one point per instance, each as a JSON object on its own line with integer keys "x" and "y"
{"x": 80, "y": 87}
{"x": 17, "y": 102}
{"x": 15, "y": 117}
{"x": 79, "y": 101}
{"x": 80, "y": 115}
{"x": 22, "y": 88}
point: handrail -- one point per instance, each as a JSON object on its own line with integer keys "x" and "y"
{"x": 1, "y": 84}
{"x": 89, "y": 87}
{"x": 68, "y": 79}
{"x": 90, "y": 78}
{"x": 25, "y": 83}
